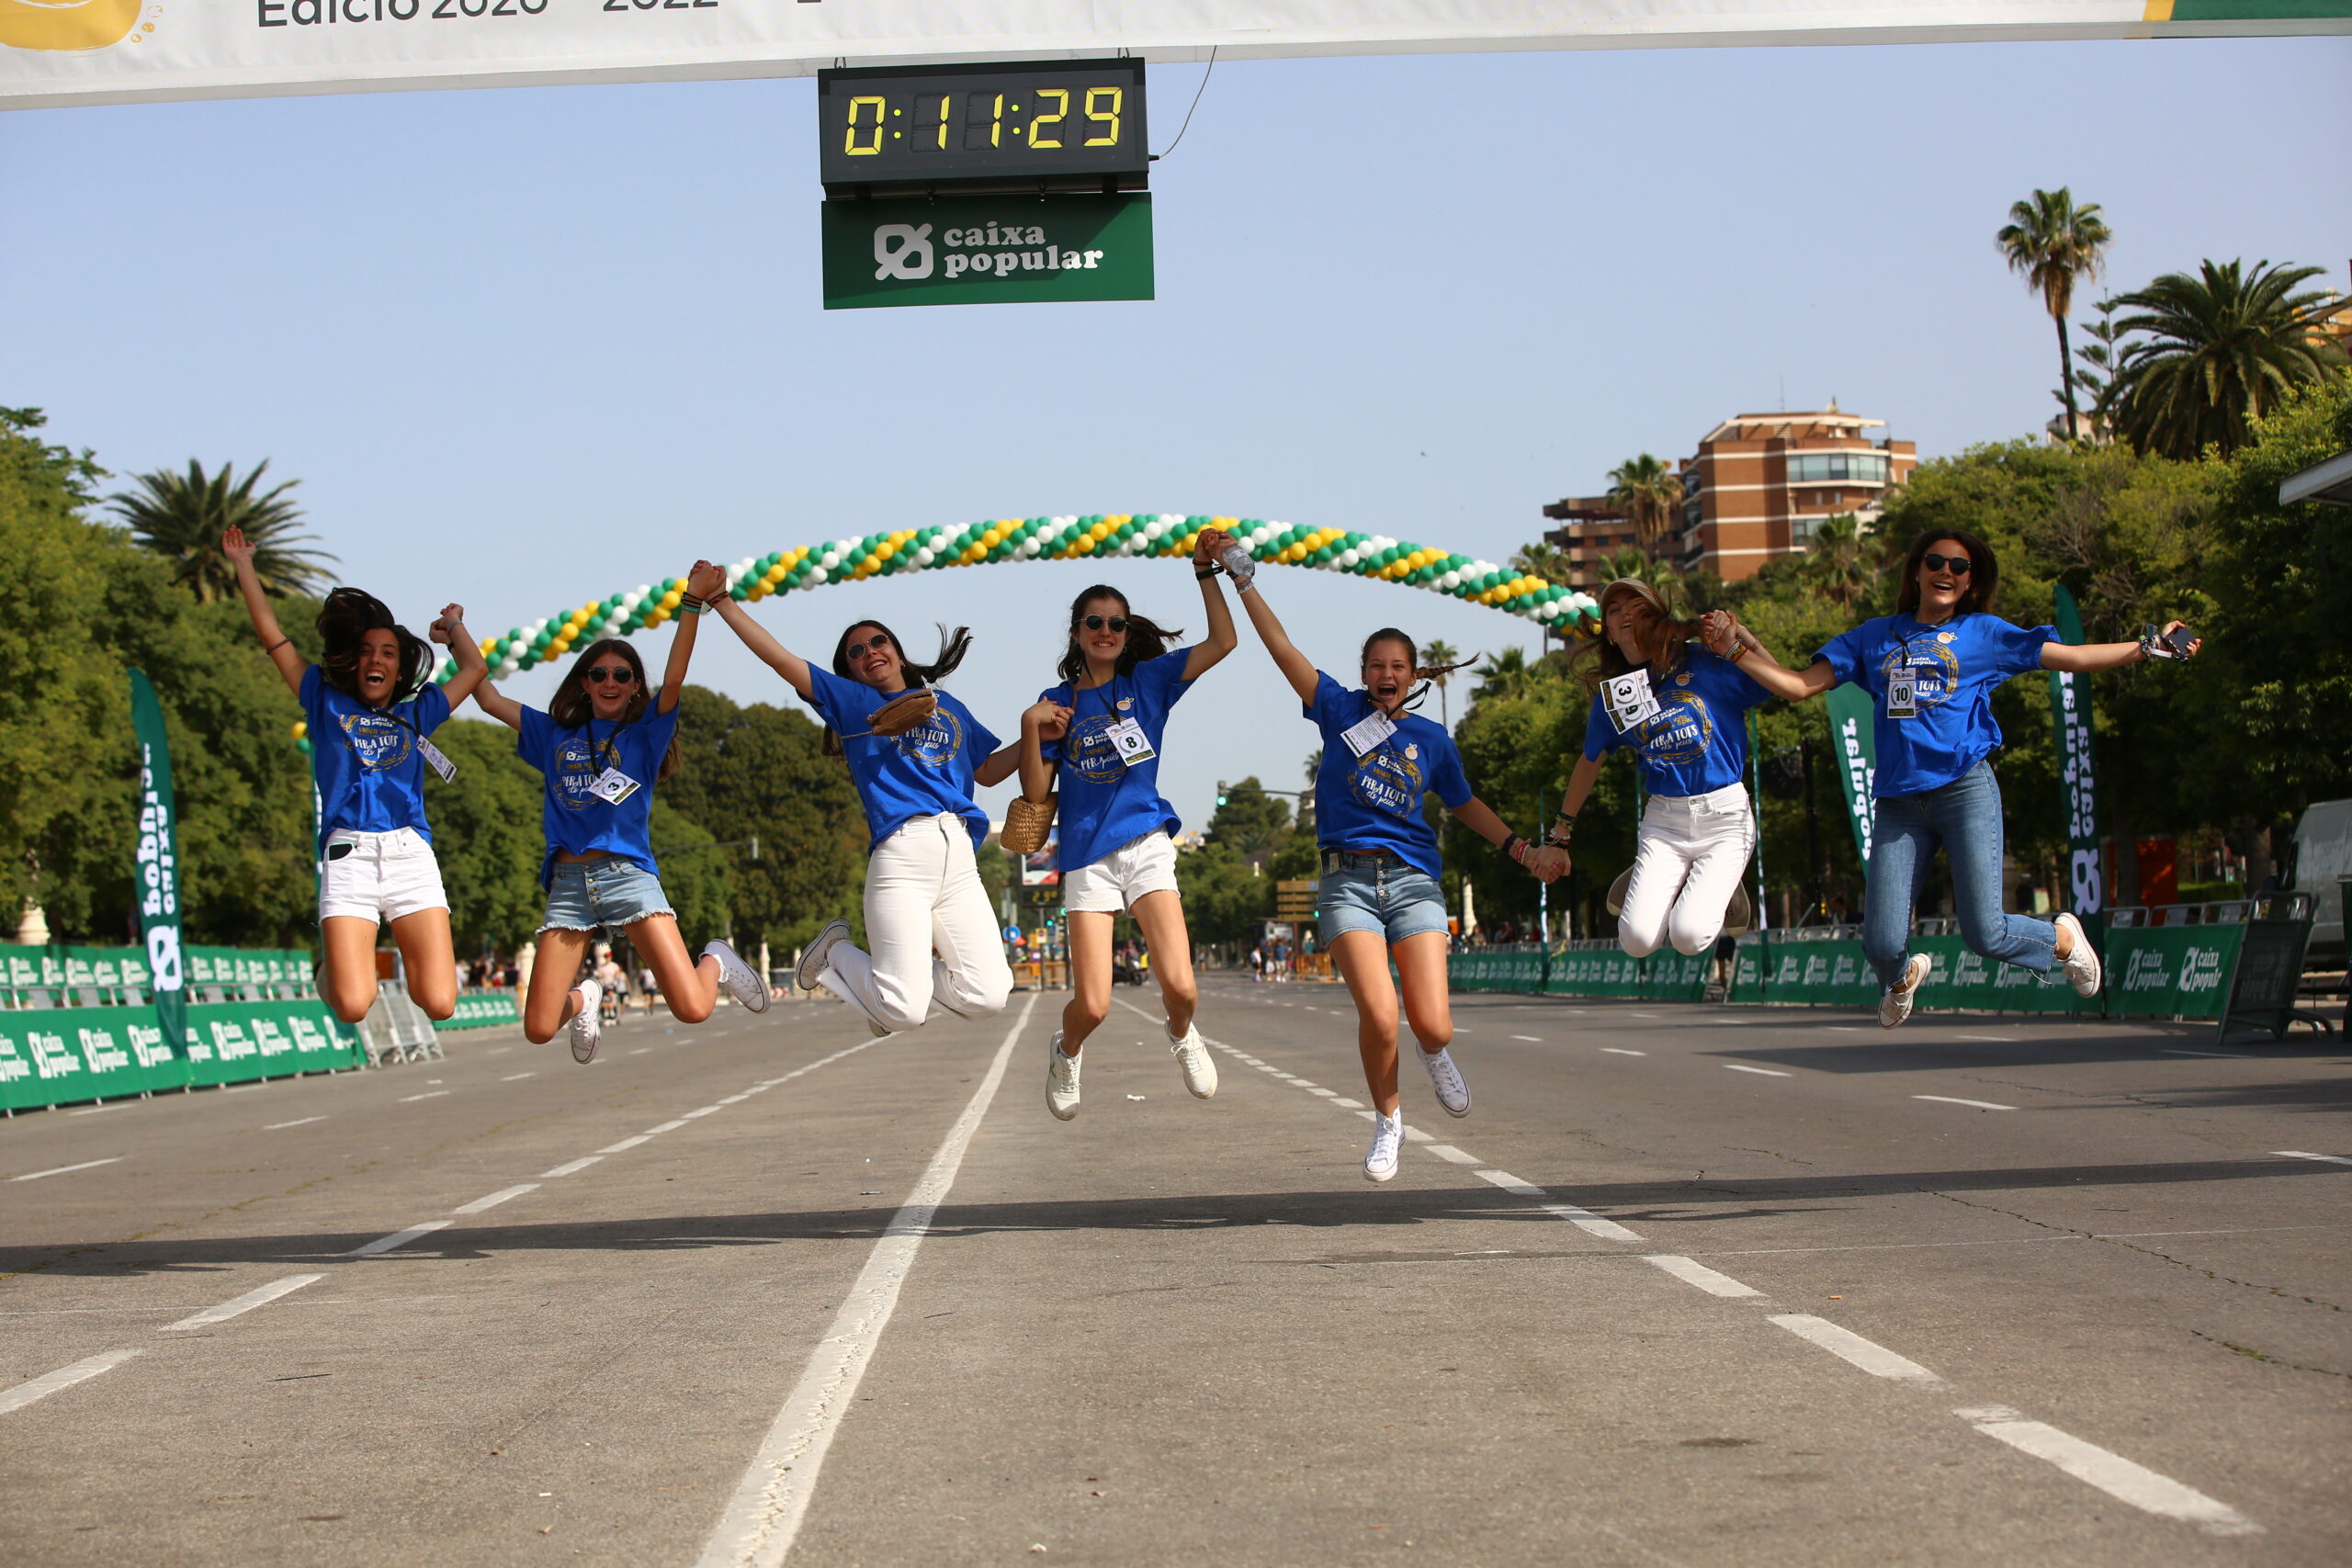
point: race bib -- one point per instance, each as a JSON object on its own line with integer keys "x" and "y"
{"x": 434, "y": 759}
{"x": 1903, "y": 695}
{"x": 1131, "y": 744}
{"x": 1363, "y": 736}
{"x": 612, "y": 787}
{"x": 1628, "y": 700}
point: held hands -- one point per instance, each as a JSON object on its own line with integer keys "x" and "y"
{"x": 453, "y": 621}
{"x": 1046, "y": 719}
{"x": 1720, "y": 631}
{"x": 707, "y": 582}
{"x": 1206, "y": 549}
{"x": 1547, "y": 863}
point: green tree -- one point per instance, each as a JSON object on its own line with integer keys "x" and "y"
{"x": 2219, "y": 351}
{"x": 487, "y": 835}
{"x": 182, "y": 516}
{"x": 1540, "y": 560}
{"x": 1249, "y": 822}
{"x": 695, "y": 876}
{"x": 1841, "y": 559}
{"x": 2056, "y": 245}
{"x": 1650, "y": 494}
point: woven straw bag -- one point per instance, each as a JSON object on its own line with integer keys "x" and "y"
{"x": 1027, "y": 824}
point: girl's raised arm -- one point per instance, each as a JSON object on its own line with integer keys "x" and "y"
{"x": 763, "y": 646}
{"x": 472, "y": 668}
{"x": 274, "y": 642}
{"x": 1222, "y": 639}
{"x": 703, "y": 582}
{"x": 1297, "y": 668}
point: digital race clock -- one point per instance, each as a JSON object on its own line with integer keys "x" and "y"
{"x": 1068, "y": 125}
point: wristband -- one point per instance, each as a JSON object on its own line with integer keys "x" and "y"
{"x": 1738, "y": 652}
{"x": 274, "y": 646}
{"x": 1207, "y": 572}
{"x": 693, "y": 605}
{"x": 1515, "y": 848}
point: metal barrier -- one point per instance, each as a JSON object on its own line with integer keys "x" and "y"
{"x": 396, "y": 1029}
{"x": 2264, "y": 982}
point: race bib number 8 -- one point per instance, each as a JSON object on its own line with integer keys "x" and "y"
{"x": 1131, "y": 744}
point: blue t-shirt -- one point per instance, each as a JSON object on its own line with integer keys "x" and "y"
{"x": 901, "y": 777}
{"x": 369, "y": 772}
{"x": 1105, "y": 801}
{"x": 1698, "y": 742}
{"x": 1957, "y": 664}
{"x": 1373, "y": 802}
{"x": 575, "y": 817}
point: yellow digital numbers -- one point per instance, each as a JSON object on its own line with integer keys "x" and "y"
{"x": 1118, "y": 99}
{"x": 1061, "y": 113}
{"x": 945, "y": 101}
{"x": 881, "y": 112}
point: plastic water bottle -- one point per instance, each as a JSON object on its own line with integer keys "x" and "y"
{"x": 1239, "y": 563}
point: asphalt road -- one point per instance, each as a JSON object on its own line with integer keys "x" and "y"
{"x": 1688, "y": 1286}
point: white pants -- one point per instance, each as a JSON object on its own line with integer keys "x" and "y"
{"x": 922, "y": 891}
{"x": 1694, "y": 848}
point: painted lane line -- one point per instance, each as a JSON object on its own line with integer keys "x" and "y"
{"x": 41, "y": 1387}
{"x": 703, "y": 1111}
{"x": 1977, "y": 1105}
{"x": 2112, "y": 1474}
{"x": 2225, "y": 1055}
{"x": 2283, "y": 1153}
{"x": 398, "y": 1238}
{"x": 65, "y": 1169}
{"x": 1990, "y": 1039}
{"x": 1531, "y": 1039}
{"x": 1621, "y": 1051}
{"x": 517, "y": 1078}
{"x": 1848, "y": 1346}
{"x": 739, "y": 1099}
{"x": 1592, "y": 1223}
{"x": 625, "y": 1143}
{"x": 1763, "y": 1072}
{"x": 1324, "y": 1093}
{"x": 495, "y": 1198}
{"x": 1452, "y": 1156}
{"x": 1351, "y": 1104}
{"x": 246, "y": 1302}
{"x": 671, "y": 1126}
{"x": 1699, "y": 1274}
{"x": 1415, "y": 1136}
{"x": 570, "y": 1167}
{"x": 281, "y": 1126}
{"x": 429, "y": 1094}
{"x": 1510, "y": 1184}
{"x": 764, "y": 1516}
{"x": 94, "y": 1109}
{"x": 640, "y": 1051}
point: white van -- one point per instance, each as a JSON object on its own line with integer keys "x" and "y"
{"x": 2323, "y": 854}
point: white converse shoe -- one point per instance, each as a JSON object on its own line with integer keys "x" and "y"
{"x": 1446, "y": 1078}
{"x": 2082, "y": 964}
{"x": 818, "y": 954}
{"x": 1200, "y": 1068}
{"x": 1387, "y": 1132}
{"x": 747, "y": 988}
{"x": 586, "y": 1027}
{"x": 1894, "y": 1006}
{"x": 1061, "y": 1081}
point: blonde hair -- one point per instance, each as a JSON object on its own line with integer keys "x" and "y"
{"x": 1661, "y": 641}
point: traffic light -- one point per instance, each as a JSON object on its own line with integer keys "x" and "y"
{"x": 1220, "y": 791}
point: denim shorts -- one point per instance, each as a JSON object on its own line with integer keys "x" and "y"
{"x": 611, "y": 893}
{"x": 1379, "y": 894}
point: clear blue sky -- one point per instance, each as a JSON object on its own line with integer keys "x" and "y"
{"x": 525, "y": 348}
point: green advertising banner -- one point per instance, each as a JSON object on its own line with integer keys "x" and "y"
{"x": 1596, "y": 969}
{"x": 1853, "y": 737}
{"x": 987, "y": 250}
{"x": 2177, "y": 971}
{"x": 1782, "y": 967}
{"x": 155, "y": 876}
{"x": 66, "y": 1055}
{"x": 2070, "y": 711}
{"x": 481, "y": 1009}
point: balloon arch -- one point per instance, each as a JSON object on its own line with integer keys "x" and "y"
{"x": 1107, "y": 534}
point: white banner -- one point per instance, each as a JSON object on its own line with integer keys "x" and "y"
{"x": 100, "y": 51}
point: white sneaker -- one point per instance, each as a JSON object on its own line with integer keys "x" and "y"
{"x": 818, "y": 954}
{"x": 1446, "y": 1078}
{"x": 746, "y": 988}
{"x": 1894, "y": 1006}
{"x": 586, "y": 1027}
{"x": 1061, "y": 1081}
{"x": 2082, "y": 964}
{"x": 1387, "y": 1132}
{"x": 1200, "y": 1068}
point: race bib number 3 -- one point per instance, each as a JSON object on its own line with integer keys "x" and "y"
{"x": 612, "y": 787}
{"x": 1363, "y": 736}
{"x": 1629, "y": 701}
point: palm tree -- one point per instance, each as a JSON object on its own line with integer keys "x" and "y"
{"x": 1435, "y": 657}
{"x": 1649, "y": 494}
{"x": 1547, "y": 561}
{"x": 1839, "y": 559}
{"x": 2055, "y": 245}
{"x": 183, "y": 516}
{"x": 2222, "y": 350}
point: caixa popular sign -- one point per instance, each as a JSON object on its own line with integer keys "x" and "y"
{"x": 983, "y": 250}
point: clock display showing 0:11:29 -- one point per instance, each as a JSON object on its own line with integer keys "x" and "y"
{"x": 1055, "y": 118}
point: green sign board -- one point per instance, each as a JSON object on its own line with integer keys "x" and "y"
{"x": 987, "y": 250}
{"x": 61, "y": 1056}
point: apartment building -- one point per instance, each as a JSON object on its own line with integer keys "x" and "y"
{"x": 1760, "y": 484}
{"x": 1590, "y": 530}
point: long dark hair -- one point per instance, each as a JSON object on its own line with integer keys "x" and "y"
{"x": 1422, "y": 673}
{"x": 1147, "y": 639}
{"x": 1602, "y": 659}
{"x": 1984, "y": 573}
{"x": 953, "y": 646}
{"x": 572, "y": 708}
{"x": 348, "y": 615}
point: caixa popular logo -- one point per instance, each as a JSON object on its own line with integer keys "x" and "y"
{"x": 2146, "y": 972}
{"x": 2200, "y": 969}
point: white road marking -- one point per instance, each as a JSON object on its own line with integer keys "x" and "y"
{"x": 1324, "y": 1093}
{"x": 1452, "y": 1156}
{"x": 517, "y": 1078}
{"x": 2225, "y": 1055}
{"x": 1990, "y": 1039}
{"x": 398, "y": 1238}
{"x": 1699, "y": 1274}
{"x": 1351, "y": 1104}
{"x": 1843, "y": 1028}
{"x": 764, "y": 1516}
{"x": 1763, "y": 1072}
{"x": 430, "y": 1094}
{"x": 570, "y": 1167}
{"x": 1415, "y": 1136}
{"x": 1509, "y": 1183}
{"x": 625, "y": 1143}
{"x": 2110, "y": 1472}
{"x": 495, "y": 1198}
{"x": 1846, "y": 1345}
{"x": 1531, "y": 1039}
{"x": 94, "y": 1109}
{"x": 666, "y": 1127}
{"x": 498, "y": 1050}
{"x": 1592, "y": 1223}
{"x": 2284, "y": 1154}
{"x": 1621, "y": 1051}
{"x": 41, "y": 1387}
{"x": 281, "y": 1126}
{"x": 703, "y": 1111}
{"x": 246, "y": 1302}
{"x": 63, "y": 1169}
{"x": 739, "y": 1099}
{"x": 1978, "y": 1104}
{"x": 640, "y": 1051}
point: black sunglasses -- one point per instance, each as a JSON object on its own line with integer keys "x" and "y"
{"x": 874, "y": 644}
{"x": 1956, "y": 565}
{"x": 1096, "y": 623}
{"x": 619, "y": 675}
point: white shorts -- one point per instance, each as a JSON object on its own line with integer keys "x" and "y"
{"x": 1111, "y": 885}
{"x": 378, "y": 876}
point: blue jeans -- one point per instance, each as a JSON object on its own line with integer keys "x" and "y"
{"x": 1379, "y": 893}
{"x": 1964, "y": 815}
{"x": 611, "y": 893}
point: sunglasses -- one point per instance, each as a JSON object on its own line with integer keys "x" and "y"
{"x": 1956, "y": 565}
{"x": 619, "y": 675}
{"x": 1096, "y": 623}
{"x": 874, "y": 644}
